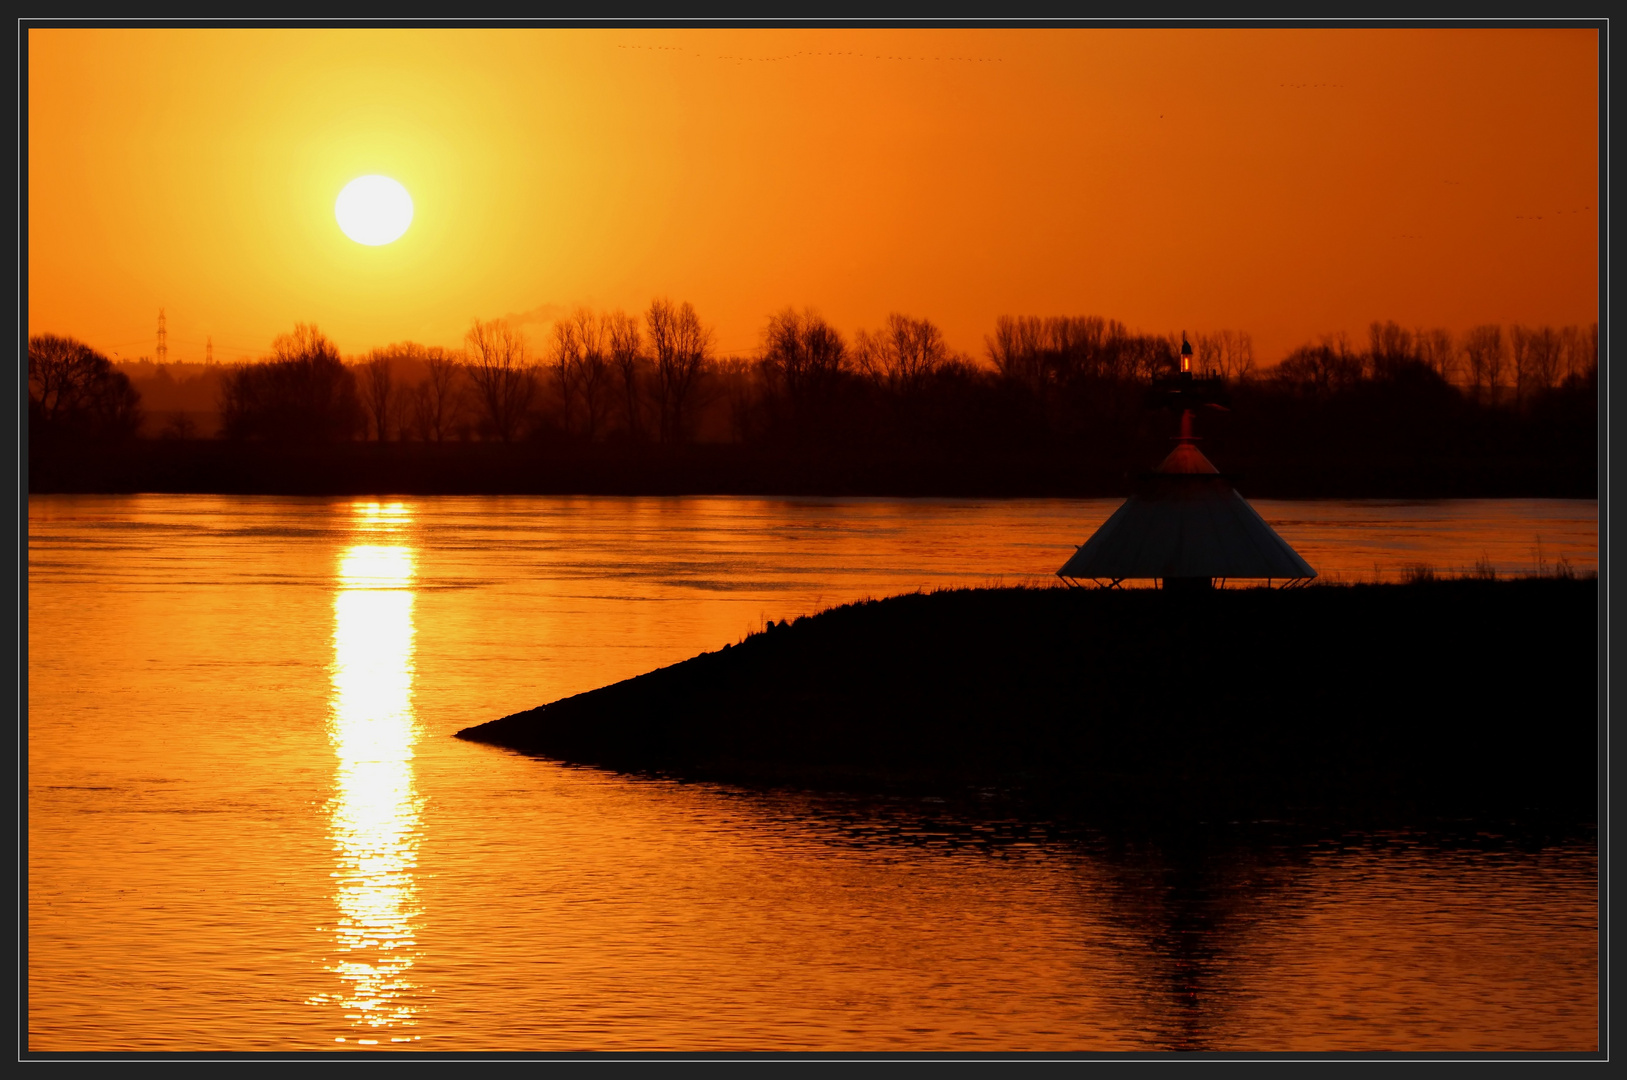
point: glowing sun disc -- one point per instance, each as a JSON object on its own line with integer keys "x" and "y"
{"x": 373, "y": 210}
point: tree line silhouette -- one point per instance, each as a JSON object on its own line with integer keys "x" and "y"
{"x": 75, "y": 393}
{"x": 1074, "y": 386}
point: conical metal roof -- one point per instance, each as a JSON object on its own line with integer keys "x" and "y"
{"x": 1185, "y": 521}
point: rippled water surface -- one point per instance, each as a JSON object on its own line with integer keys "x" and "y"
{"x": 249, "y": 826}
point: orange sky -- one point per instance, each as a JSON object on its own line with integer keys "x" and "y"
{"x": 1284, "y": 182}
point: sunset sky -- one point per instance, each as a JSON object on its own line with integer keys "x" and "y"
{"x": 1283, "y": 182}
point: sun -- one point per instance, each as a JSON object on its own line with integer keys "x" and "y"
{"x": 373, "y": 210}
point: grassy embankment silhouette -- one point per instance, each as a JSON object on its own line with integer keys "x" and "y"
{"x": 1442, "y": 696}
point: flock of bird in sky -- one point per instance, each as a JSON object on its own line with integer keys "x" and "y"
{"x": 794, "y": 55}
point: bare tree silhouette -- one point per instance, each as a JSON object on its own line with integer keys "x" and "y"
{"x": 1580, "y": 348}
{"x": 1547, "y": 357}
{"x": 1225, "y": 354}
{"x": 904, "y": 354}
{"x": 594, "y": 383}
{"x": 803, "y": 357}
{"x": 582, "y": 369}
{"x": 1437, "y": 349}
{"x": 1324, "y": 369}
{"x": 1483, "y": 353}
{"x": 303, "y": 393}
{"x": 566, "y": 349}
{"x": 61, "y": 375}
{"x": 74, "y": 390}
{"x": 802, "y": 350}
{"x": 1524, "y": 359}
{"x": 682, "y": 347}
{"x": 1018, "y": 349}
{"x": 378, "y": 391}
{"x": 1040, "y": 353}
{"x": 438, "y": 401}
{"x": 626, "y": 352}
{"x": 1390, "y": 347}
{"x": 504, "y": 380}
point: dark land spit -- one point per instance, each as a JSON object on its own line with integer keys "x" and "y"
{"x": 223, "y": 467}
{"x": 1364, "y": 703}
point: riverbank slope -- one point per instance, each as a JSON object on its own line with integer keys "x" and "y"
{"x": 1449, "y": 695}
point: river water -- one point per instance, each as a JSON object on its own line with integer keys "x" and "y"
{"x": 249, "y": 827}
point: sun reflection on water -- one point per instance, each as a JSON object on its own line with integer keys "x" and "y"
{"x": 374, "y": 812}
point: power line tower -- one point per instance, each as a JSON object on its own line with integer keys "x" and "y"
{"x": 163, "y": 339}
{"x": 209, "y": 350}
